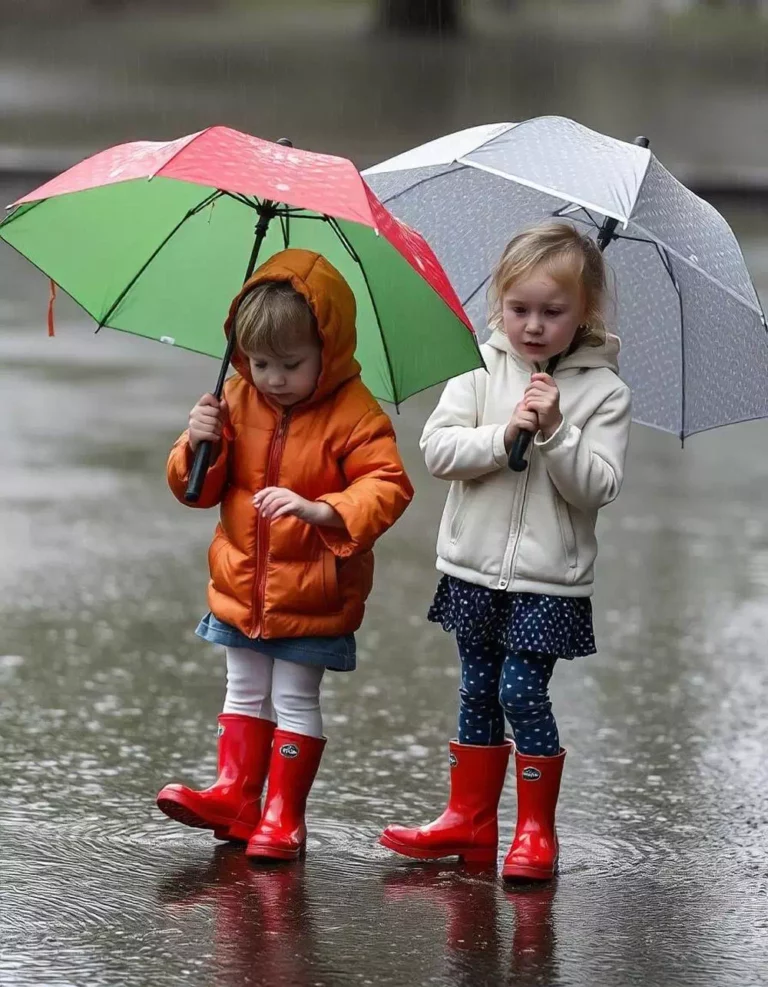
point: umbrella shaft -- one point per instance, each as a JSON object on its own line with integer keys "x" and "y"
{"x": 606, "y": 231}
{"x": 605, "y": 234}
{"x": 266, "y": 213}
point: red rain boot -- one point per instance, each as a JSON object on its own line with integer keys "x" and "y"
{"x": 534, "y": 851}
{"x": 468, "y": 828}
{"x": 282, "y": 832}
{"x": 232, "y": 805}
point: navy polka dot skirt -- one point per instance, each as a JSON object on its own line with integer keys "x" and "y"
{"x": 560, "y": 626}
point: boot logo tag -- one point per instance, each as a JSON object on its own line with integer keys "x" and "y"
{"x": 453, "y": 760}
{"x": 531, "y": 774}
{"x": 220, "y": 730}
{"x": 289, "y": 750}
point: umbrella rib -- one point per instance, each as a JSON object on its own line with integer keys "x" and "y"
{"x": 710, "y": 428}
{"x": 353, "y": 253}
{"x": 615, "y": 236}
{"x": 239, "y": 197}
{"x": 665, "y": 259}
{"x": 560, "y": 213}
{"x": 752, "y": 306}
{"x": 593, "y": 223}
{"x": 698, "y": 431}
{"x": 284, "y": 221}
{"x": 592, "y": 219}
{"x": 636, "y": 239}
{"x": 344, "y": 240}
{"x": 667, "y": 265}
{"x": 683, "y": 403}
{"x": 430, "y": 178}
{"x": 301, "y": 214}
{"x": 472, "y": 294}
{"x": 191, "y": 212}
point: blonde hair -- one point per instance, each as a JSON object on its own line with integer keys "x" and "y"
{"x": 273, "y": 317}
{"x": 569, "y": 258}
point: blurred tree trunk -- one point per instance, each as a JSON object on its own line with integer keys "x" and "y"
{"x": 420, "y": 16}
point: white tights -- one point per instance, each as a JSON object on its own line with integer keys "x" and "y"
{"x": 272, "y": 689}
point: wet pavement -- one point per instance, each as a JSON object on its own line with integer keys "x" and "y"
{"x": 107, "y": 694}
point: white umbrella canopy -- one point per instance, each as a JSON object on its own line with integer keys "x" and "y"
{"x": 694, "y": 335}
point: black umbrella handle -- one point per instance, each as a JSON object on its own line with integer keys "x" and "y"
{"x": 517, "y": 461}
{"x": 197, "y": 473}
{"x": 203, "y": 452}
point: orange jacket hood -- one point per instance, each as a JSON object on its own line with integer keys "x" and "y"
{"x": 332, "y": 302}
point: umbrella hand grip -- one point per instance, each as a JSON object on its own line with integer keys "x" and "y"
{"x": 517, "y": 461}
{"x": 197, "y": 473}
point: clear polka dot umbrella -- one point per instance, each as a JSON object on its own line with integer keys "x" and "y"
{"x": 694, "y": 340}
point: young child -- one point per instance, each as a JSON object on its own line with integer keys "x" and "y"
{"x": 308, "y": 477}
{"x": 517, "y": 549}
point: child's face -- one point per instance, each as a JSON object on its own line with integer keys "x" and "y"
{"x": 540, "y": 316}
{"x": 291, "y": 378}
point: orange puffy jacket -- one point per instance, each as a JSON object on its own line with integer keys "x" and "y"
{"x": 287, "y": 578}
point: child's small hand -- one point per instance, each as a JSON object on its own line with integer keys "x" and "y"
{"x": 276, "y": 502}
{"x": 522, "y": 420}
{"x": 206, "y": 421}
{"x": 543, "y": 397}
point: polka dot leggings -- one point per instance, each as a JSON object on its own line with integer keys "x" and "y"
{"x": 495, "y": 683}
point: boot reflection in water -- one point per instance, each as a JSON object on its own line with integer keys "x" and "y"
{"x": 261, "y": 918}
{"x": 534, "y": 941}
{"x": 468, "y": 899}
{"x": 478, "y": 923}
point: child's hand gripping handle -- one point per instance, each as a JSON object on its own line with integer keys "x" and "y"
{"x": 202, "y": 458}
{"x": 517, "y": 460}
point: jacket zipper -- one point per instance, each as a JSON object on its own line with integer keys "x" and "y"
{"x": 274, "y": 461}
{"x": 506, "y": 572}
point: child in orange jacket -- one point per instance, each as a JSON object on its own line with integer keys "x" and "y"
{"x": 308, "y": 476}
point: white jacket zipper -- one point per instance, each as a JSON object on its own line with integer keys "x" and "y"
{"x": 510, "y": 556}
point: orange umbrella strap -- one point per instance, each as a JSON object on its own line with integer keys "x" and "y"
{"x": 51, "y": 299}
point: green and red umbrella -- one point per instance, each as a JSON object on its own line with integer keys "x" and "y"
{"x": 155, "y": 239}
